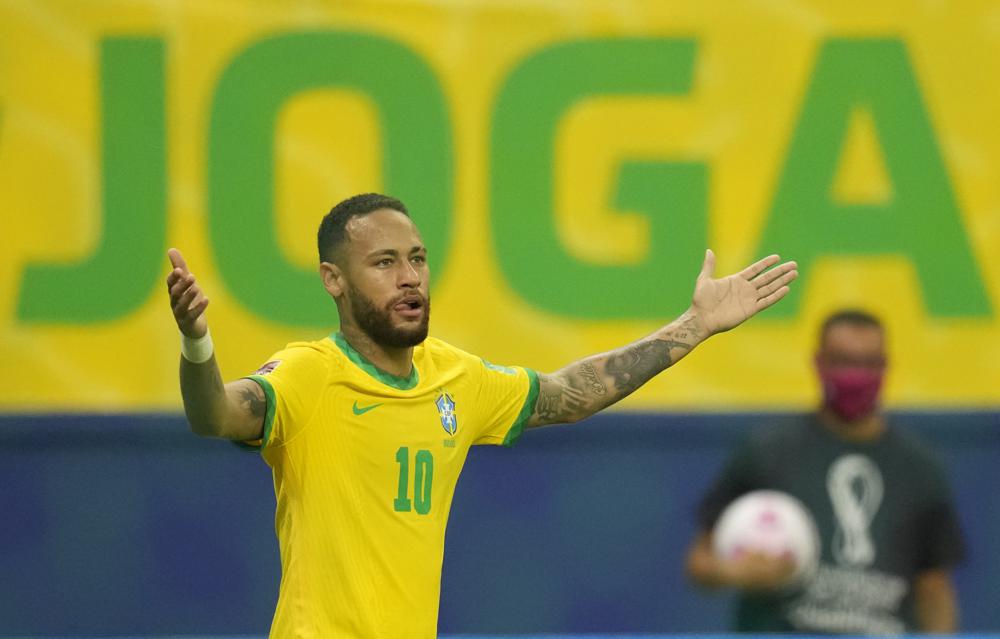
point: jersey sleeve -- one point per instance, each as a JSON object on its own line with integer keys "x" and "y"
{"x": 506, "y": 399}
{"x": 292, "y": 380}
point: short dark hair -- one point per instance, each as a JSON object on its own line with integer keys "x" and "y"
{"x": 852, "y": 316}
{"x": 333, "y": 228}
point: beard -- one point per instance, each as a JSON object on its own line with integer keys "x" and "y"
{"x": 377, "y": 323}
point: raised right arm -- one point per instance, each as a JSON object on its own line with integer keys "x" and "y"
{"x": 231, "y": 411}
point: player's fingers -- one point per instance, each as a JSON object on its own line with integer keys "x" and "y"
{"x": 186, "y": 280}
{"x": 764, "y": 302}
{"x": 773, "y": 274}
{"x": 777, "y": 282}
{"x": 173, "y": 277}
{"x": 759, "y": 266}
{"x": 185, "y": 300}
{"x": 176, "y": 259}
{"x": 183, "y": 303}
{"x": 177, "y": 275}
{"x": 770, "y": 289}
{"x": 181, "y": 286}
{"x": 197, "y": 299}
{"x": 197, "y": 308}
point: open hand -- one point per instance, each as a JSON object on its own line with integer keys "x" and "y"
{"x": 187, "y": 300}
{"x": 722, "y": 304}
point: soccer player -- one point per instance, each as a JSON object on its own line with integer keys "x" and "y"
{"x": 366, "y": 431}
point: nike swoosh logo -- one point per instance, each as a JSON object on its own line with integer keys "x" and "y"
{"x": 361, "y": 410}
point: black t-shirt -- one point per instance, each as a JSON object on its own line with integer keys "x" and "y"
{"x": 884, "y": 514}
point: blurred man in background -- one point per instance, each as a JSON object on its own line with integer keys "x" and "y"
{"x": 889, "y": 533}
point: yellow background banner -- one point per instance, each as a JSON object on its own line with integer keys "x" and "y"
{"x": 859, "y": 139}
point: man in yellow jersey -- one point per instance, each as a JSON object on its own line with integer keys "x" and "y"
{"x": 366, "y": 431}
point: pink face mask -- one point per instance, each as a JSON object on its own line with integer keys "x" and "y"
{"x": 851, "y": 393}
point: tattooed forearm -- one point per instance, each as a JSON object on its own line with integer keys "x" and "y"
{"x": 592, "y": 381}
{"x": 633, "y": 366}
{"x": 233, "y": 411}
{"x": 547, "y": 407}
{"x": 592, "y": 384}
{"x": 204, "y": 394}
{"x": 559, "y": 400}
{"x": 579, "y": 390}
{"x": 253, "y": 401}
{"x": 686, "y": 329}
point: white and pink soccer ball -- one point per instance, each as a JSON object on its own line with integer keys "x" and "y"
{"x": 770, "y": 522}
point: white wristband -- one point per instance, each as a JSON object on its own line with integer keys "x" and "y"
{"x": 197, "y": 350}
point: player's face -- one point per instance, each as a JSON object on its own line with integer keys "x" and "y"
{"x": 387, "y": 279}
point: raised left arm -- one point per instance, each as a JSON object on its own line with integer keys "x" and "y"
{"x": 594, "y": 383}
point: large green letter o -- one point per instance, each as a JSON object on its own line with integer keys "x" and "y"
{"x": 417, "y": 161}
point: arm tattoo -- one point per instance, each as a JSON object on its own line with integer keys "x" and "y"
{"x": 253, "y": 401}
{"x": 594, "y": 383}
{"x": 688, "y": 328}
{"x": 634, "y": 366}
{"x": 558, "y": 400}
{"x": 547, "y": 406}
{"x": 583, "y": 388}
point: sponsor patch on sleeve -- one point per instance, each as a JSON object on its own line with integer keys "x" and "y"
{"x": 268, "y": 367}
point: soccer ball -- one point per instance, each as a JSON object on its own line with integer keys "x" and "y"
{"x": 769, "y": 522}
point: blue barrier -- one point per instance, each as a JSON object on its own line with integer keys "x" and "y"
{"x": 129, "y": 525}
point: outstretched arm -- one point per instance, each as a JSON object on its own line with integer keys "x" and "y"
{"x": 594, "y": 383}
{"x": 232, "y": 411}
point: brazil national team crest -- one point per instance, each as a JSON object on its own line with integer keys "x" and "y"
{"x": 446, "y": 410}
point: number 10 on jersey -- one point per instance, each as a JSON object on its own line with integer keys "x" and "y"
{"x": 423, "y": 478}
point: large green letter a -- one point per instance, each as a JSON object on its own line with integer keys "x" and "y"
{"x": 920, "y": 220}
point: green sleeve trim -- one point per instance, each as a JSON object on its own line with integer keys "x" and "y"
{"x": 268, "y": 413}
{"x": 515, "y": 431}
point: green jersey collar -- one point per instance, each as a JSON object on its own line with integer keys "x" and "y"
{"x": 395, "y": 381}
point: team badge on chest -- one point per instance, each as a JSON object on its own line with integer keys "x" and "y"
{"x": 446, "y": 411}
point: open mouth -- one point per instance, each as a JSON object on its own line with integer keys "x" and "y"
{"x": 411, "y": 307}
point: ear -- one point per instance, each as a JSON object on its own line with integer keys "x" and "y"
{"x": 333, "y": 279}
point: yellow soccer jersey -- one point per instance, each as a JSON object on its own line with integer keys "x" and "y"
{"x": 365, "y": 465}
